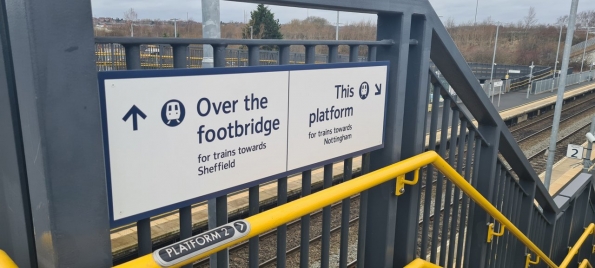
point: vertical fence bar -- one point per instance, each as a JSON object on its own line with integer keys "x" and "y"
{"x": 254, "y": 201}
{"x": 345, "y": 216}
{"x": 471, "y": 219}
{"x": 143, "y": 227}
{"x": 488, "y": 156}
{"x": 446, "y": 219}
{"x": 282, "y": 188}
{"x": 440, "y": 181}
{"x": 218, "y": 207}
{"x": 455, "y": 213}
{"x": 511, "y": 197}
{"x": 310, "y": 54}
{"x": 517, "y": 212}
{"x": 305, "y": 222}
{"x": 180, "y": 56}
{"x": 526, "y": 206}
{"x": 504, "y": 209}
{"x": 326, "y": 220}
{"x": 363, "y": 200}
{"x": 430, "y": 173}
{"x": 464, "y": 206}
{"x": 497, "y": 187}
{"x": 363, "y": 216}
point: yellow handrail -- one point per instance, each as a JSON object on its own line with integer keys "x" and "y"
{"x": 574, "y": 250}
{"x": 419, "y": 263}
{"x": 584, "y": 264}
{"x": 277, "y": 216}
{"x": 6, "y": 261}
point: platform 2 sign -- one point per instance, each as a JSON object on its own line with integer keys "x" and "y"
{"x": 201, "y": 243}
{"x": 176, "y": 137}
{"x": 574, "y": 151}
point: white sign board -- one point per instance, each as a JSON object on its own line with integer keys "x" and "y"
{"x": 574, "y": 151}
{"x": 498, "y": 83}
{"x": 514, "y": 71}
{"x": 175, "y": 137}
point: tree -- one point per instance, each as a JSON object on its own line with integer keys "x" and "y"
{"x": 130, "y": 16}
{"x": 264, "y": 25}
{"x": 530, "y": 18}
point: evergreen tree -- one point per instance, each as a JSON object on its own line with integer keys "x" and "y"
{"x": 264, "y": 24}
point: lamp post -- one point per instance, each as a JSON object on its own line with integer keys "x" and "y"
{"x": 530, "y": 76}
{"x": 494, "y": 63}
{"x": 132, "y": 29}
{"x": 560, "y": 96}
{"x": 175, "y": 27}
{"x": 557, "y": 53}
{"x": 337, "y": 27}
{"x": 584, "y": 51}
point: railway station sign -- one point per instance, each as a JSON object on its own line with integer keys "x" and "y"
{"x": 574, "y": 151}
{"x": 176, "y": 137}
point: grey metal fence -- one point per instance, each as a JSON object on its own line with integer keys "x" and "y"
{"x": 550, "y": 84}
{"x": 112, "y": 56}
{"x": 581, "y": 46}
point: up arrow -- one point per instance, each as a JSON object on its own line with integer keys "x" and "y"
{"x": 134, "y": 112}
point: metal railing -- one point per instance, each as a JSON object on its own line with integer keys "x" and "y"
{"x": 546, "y": 85}
{"x": 578, "y": 48}
{"x": 112, "y": 57}
{"x": 134, "y": 60}
{"x": 521, "y": 83}
{"x": 264, "y": 221}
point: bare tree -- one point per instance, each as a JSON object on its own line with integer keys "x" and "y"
{"x": 130, "y": 15}
{"x": 530, "y": 19}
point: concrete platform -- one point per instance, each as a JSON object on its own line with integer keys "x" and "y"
{"x": 564, "y": 171}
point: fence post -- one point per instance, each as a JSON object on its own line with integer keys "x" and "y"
{"x": 413, "y": 139}
{"x": 382, "y": 202}
{"x": 62, "y": 146}
{"x": 485, "y": 184}
{"x": 218, "y": 207}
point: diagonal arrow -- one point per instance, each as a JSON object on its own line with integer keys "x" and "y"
{"x": 378, "y": 88}
{"x": 134, "y": 112}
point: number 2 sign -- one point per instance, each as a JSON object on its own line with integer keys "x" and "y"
{"x": 574, "y": 151}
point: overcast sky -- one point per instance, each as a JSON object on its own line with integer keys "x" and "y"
{"x": 460, "y": 10}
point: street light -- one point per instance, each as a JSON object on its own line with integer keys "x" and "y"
{"x": 175, "y": 27}
{"x": 494, "y": 63}
{"x": 557, "y": 52}
{"x": 132, "y": 29}
{"x": 530, "y": 76}
{"x": 584, "y": 51}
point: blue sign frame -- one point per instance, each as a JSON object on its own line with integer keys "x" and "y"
{"x": 102, "y": 76}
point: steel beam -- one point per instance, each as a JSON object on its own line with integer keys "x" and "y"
{"x": 54, "y": 62}
{"x": 16, "y": 225}
{"x": 360, "y": 6}
{"x": 382, "y": 201}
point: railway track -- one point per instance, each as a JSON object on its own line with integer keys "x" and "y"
{"x": 539, "y": 159}
{"x": 522, "y": 132}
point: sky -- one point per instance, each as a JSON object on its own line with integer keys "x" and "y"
{"x": 505, "y": 11}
